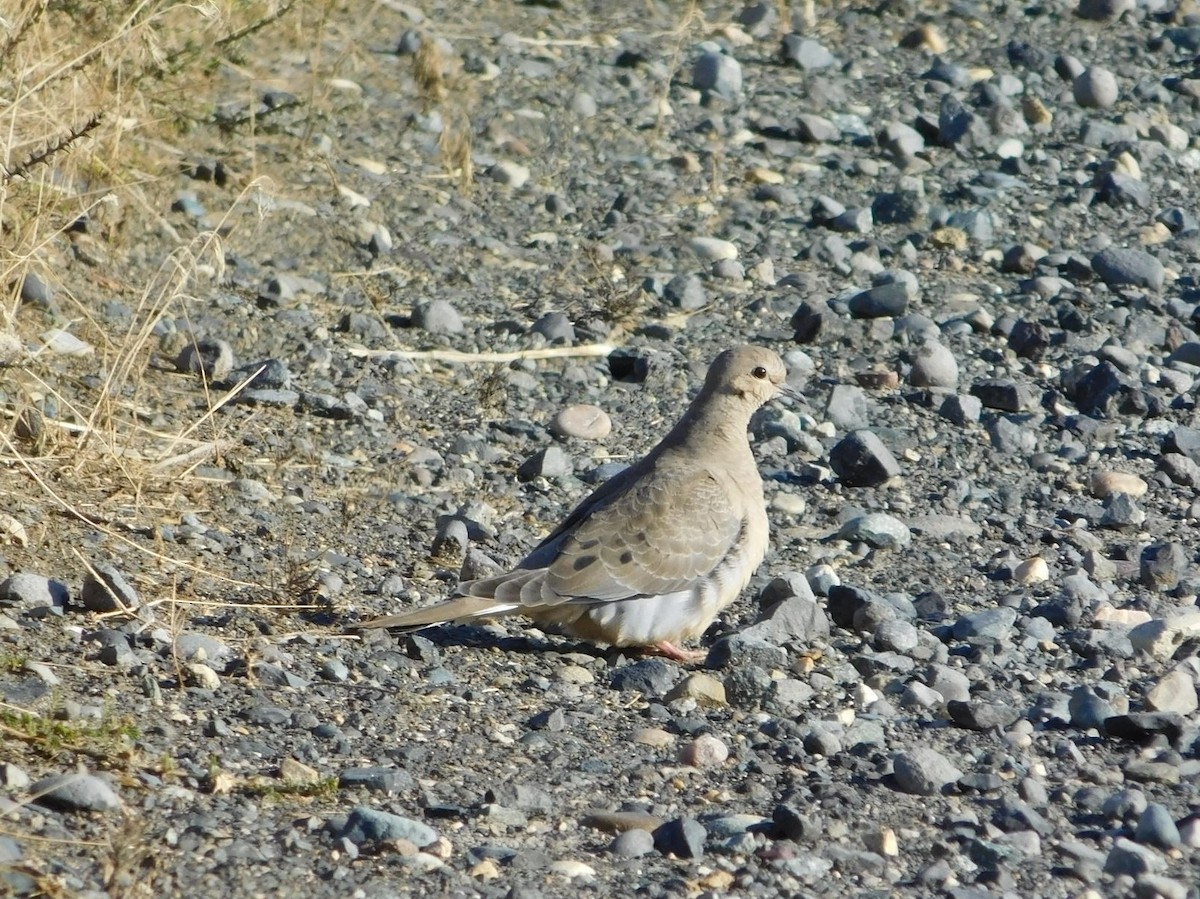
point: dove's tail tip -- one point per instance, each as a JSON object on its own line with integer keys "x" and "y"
{"x": 463, "y": 608}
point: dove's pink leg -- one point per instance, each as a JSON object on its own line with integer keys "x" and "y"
{"x": 669, "y": 650}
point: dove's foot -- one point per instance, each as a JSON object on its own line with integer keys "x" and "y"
{"x": 669, "y": 650}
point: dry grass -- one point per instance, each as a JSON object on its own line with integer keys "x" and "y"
{"x": 97, "y": 99}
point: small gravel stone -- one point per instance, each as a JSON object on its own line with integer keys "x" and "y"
{"x": 705, "y": 751}
{"x": 935, "y": 367}
{"x": 438, "y": 317}
{"x": 632, "y": 844}
{"x": 1175, "y": 692}
{"x": 210, "y": 357}
{"x": 1096, "y": 88}
{"x": 718, "y": 73}
{"x": 861, "y": 460}
{"x": 550, "y": 462}
{"x": 1120, "y": 267}
{"x": 878, "y": 530}
{"x": 76, "y": 792}
{"x": 806, "y": 53}
{"x": 1156, "y": 827}
{"x": 682, "y": 838}
{"x": 369, "y": 827}
{"x": 106, "y": 590}
{"x": 686, "y": 292}
{"x": 582, "y": 421}
{"x": 26, "y": 591}
{"x": 650, "y": 677}
{"x": 924, "y": 772}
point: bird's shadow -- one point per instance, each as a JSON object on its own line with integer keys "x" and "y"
{"x": 474, "y": 637}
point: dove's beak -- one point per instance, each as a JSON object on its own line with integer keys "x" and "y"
{"x": 790, "y": 392}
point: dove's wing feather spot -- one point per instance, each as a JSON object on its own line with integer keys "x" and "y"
{"x": 660, "y": 537}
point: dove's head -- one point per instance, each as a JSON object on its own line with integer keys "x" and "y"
{"x": 751, "y": 372}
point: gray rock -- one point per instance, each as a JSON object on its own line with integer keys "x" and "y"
{"x": 632, "y": 844}
{"x": 556, "y": 327}
{"x": 26, "y": 591}
{"x": 376, "y": 779}
{"x": 924, "y": 772}
{"x": 1129, "y": 858}
{"x": 847, "y": 407}
{"x": 682, "y": 838}
{"x": 1156, "y": 827}
{"x": 438, "y": 317}
{"x": 550, "y": 462}
{"x": 1121, "y": 267}
{"x": 686, "y": 292}
{"x": 795, "y": 618}
{"x": 1088, "y": 709}
{"x": 718, "y": 73}
{"x": 962, "y": 409}
{"x": 882, "y": 300}
{"x": 806, "y": 53}
{"x": 650, "y": 677}
{"x": 986, "y": 624}
{"x": 367, "y": 827}
{"x": 878, "y": 530}
{"x": 106, "y": 590}
{"x": 935, "y": 367}
{"x": 77, "y": 792}
{"x": 738, "y": 650}
{"x": 861, "y": 460}
{"x": 1095, "y": 88}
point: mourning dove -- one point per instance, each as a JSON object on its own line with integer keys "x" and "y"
{"x": 650, "y": 557}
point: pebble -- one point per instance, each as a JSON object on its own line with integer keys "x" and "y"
{"x": 1120, "y": 267}
{"x": 650, "y": 677}
{"x": 681, "y": 838}
{"x": 366, "y": 826}
{"x": 701, "y": 688}
{"x": 712, "y": 249}
{"x": 106, "y": 590}
{"x": 1095, "y": 88}
{"x": 878, "y": 530}
{"x": 934, "y": 367}
{"x": 924, "y": 771}
{"x": 1156, "y": 827}
{"x": 632, "y": 844}
{"x": 1175, "y": 692}
{"x": 438, "y": 317}
{"x": 805, "y": 53}
{"x": 718, "y": 73}
{"x": 705, "y": 751}
{"x": 209, "y": 357}
{"x": 548, "y": 462}
{"x": 586, "y": 422}
{"x": 860, "y": 459}
{"x": 77, "y": 792}
{"x": 26, "y": 591}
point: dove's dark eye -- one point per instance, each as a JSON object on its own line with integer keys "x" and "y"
{"x": 759, "y": 372}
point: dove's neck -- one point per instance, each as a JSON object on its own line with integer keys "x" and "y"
{"x": 715, "y": 425}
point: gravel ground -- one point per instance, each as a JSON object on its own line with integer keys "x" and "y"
{"x": 968, "y": 666}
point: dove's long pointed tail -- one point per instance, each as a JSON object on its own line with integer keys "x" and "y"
{"x": 458, "y": 609}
